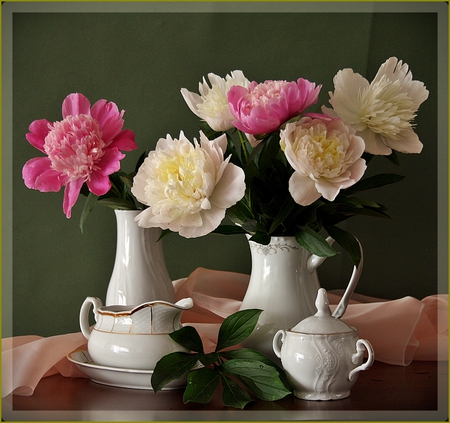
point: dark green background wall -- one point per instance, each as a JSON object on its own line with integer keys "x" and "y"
{"x": 140, "y": 61}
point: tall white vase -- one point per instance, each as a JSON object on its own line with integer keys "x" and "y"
{"x": 284, "y": 284}
{"x": 140, "y": 272}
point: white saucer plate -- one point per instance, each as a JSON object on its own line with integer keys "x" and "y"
{"x": 118, "y": 377}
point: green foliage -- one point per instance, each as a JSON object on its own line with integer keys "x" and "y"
{"x": 240, "y": 372}
{"x": 268, "y": 209}
{"x": 119, "y": 197}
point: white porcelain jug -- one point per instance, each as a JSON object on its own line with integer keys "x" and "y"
{"x": 322, "y": 355}
{"x": 132, "y": 337}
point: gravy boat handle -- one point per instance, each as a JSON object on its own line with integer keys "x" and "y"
{"x": 84, "y": 314}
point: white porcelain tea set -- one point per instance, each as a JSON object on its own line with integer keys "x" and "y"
{"x": 126, "y": 342}
{"x": 321, "y": 355}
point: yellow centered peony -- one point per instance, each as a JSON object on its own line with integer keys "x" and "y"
{"x": 188, "y": 187}
{"x": 382, "y": 112}
{"x": 325, "y": 155}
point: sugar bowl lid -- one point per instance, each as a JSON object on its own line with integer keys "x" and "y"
{"x": 322, "y": 322}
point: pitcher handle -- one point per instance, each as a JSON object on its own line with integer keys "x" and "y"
{"x": 342, "y": 306}
{"x": 84, "y": 314}
{"x": 315, "y": 261}
{"x": 362, "y": 344}
{"x": 277, "y": 342}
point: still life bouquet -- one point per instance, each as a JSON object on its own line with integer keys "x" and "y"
{"x": 264, "y": 159}
{"x": 275, "y": 169}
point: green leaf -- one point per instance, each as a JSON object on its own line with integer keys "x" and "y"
{"x": 89, "y": 204}
{"x": 367, "y": 203}
{"x": 189, "y": 338}
{"x": 233, "y": 395}
{"x": 208, "y": 359}
{"x": 250, "y": 354}
{"x": 172, "y": 366}
{"x": 229, "y": 230}
{"x": 393, "y": 158}
{"x": 239, "y": 213}
{"x": 347, "y": 241}
{"x": 117, "y": 203}
{"x": 250, "y": 226}
{"x": 259, "y": 378}
{"x": 271, "y": 148}
{"x": 376, "y": 181}
{"x": 201, "y": 385}
{"x": 164, "y": 233}
{"x": 237, "y": 327}
{"x": 285, "y": 210}
{"x": 261, "y": 238}
{"x": 127, "y": 180}
{"x": 140, "y": 161}
{"x": 314, "y": 243}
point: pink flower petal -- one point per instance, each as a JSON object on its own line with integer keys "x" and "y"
{"x": 50, "y": 181}
{"x": 38, "y": 131}
{"x": 38, "y": 174}
{"x": 71, "y": 193}
{"x": 99, "y": 184}
{"x": 75, "y": 104}
{"x": 124, "y": 141}
{"x": 263, "y": 108}
{"x": 110, "y": 162}
{"x": 108, "y": 117}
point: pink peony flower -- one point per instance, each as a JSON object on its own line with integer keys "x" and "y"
{"x": 263, "y": 108}
{"x": 84, "y": 147}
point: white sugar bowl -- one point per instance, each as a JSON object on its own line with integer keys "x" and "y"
{"x": 322, "y": 355}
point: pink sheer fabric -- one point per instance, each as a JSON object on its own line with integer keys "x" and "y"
{"x": 399, "y": 330}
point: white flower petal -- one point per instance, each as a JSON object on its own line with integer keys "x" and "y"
{"x": 408, "y": 142}
{"x": 374, "y": 143}
{"x": 303, "y": 189}
{"x": 212, "y": 103}
{"x": 328, "y": 190}
{"x": 386, "y": 107}
{"x": 230, "y": 188}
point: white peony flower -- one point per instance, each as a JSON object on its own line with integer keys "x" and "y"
{"x": 381, "y": 112}
{"x": 325, "y": 155}
{"x": 188, "y": 187}
{"x": 212, "y": 103}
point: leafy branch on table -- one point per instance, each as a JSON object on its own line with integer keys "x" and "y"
{"x": 240, "y": 372}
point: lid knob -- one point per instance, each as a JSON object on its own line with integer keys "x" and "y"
{"x": 322, "y": 303}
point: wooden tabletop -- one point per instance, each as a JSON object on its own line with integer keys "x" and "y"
{"x": 384, "y": 392}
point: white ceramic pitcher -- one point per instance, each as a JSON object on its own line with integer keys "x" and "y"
{"x": 284, "y": 284}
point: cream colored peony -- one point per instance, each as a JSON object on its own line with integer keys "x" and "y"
{"x": 212, "y": 103}
{"x": 381, "y": 112}
{"x": 187, "y": 186}
{"x": 325, "y": 155}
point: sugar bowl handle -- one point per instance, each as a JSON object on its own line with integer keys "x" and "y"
{"x": 278, "y": 340}
{"x": 84, "y": 314}
{"x": 361, "y": 345}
